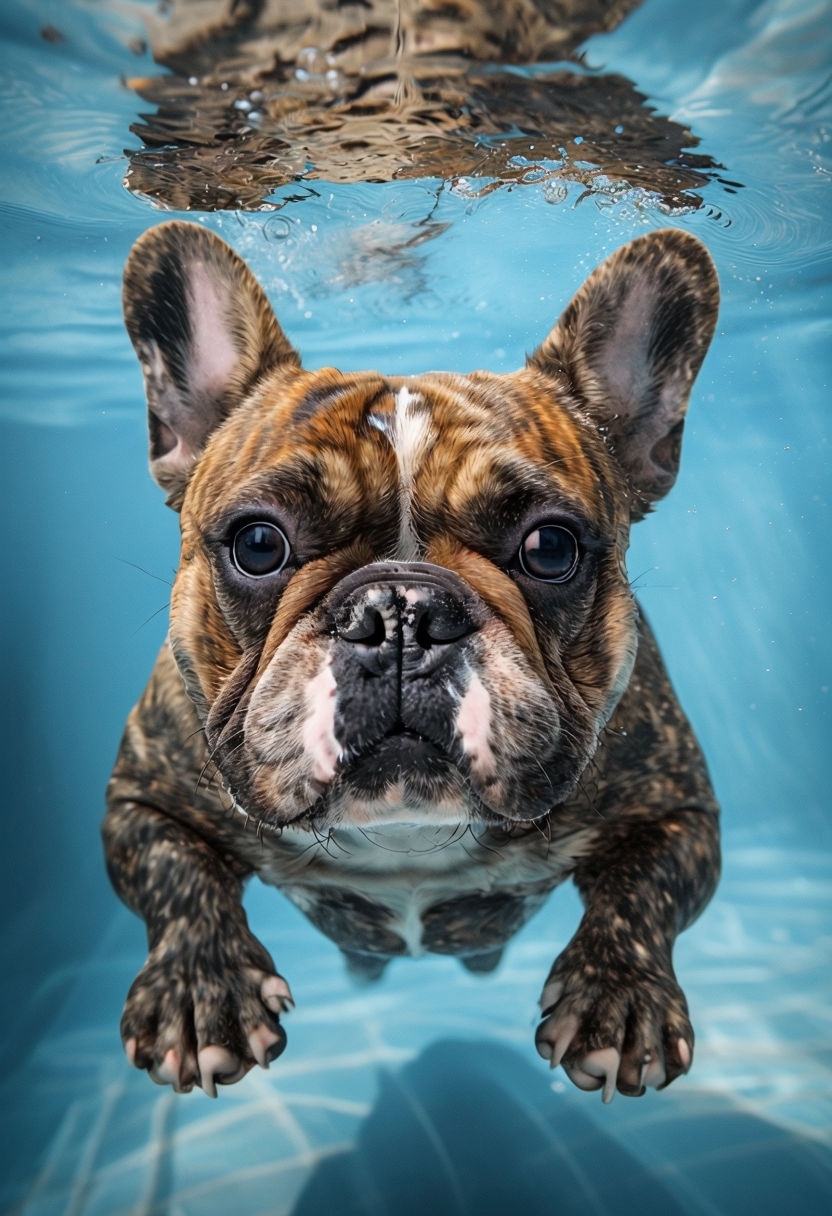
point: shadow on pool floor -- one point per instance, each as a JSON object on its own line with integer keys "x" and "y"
{"x": 424, "y": 1093}
{"x": 471, "y": 1128}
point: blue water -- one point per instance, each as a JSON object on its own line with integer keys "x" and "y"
{"x": 425, "y": 1092}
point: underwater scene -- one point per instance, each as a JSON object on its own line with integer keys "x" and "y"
{"x": 419, "y": 187}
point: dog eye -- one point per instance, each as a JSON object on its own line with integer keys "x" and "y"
{"x": 550, "y": 553}
{"x": 259, "y": 549}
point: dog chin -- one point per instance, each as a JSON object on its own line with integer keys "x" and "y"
{"x": 395, "y": 801}
{"x": 403, "y": 779}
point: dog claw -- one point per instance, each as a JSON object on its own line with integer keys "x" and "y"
{"x": 218, "y": 1067}
{"x": 555, "y": 1049}
{"x": 276, "y": 994}
{"x": 685, "y": 1054}
{"x": 549, "y": 997}
{"x": 597, "y": 1070}
{"x": 266, "y": 1045}
{"x": 653, "y": 1074}
{"x": 169, "y": 1071}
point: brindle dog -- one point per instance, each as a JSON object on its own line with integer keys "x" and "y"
{"x": 402, "y": 618}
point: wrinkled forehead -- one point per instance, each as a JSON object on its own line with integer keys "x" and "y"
{"x": 488, "y": 437}
{"x": 441, "y": 441}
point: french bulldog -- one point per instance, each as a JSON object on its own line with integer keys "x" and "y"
{"x": 406, "y": 680}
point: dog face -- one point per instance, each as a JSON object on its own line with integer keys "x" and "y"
{"x": 405, "y": 599}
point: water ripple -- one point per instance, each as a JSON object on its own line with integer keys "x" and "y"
{"x": 766, "y": 106}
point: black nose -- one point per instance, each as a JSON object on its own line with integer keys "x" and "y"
{"x": 421, "y": 616}
{"x": 411, "y": 616}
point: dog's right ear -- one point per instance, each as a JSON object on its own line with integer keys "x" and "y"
{"x": 204, "y": 333}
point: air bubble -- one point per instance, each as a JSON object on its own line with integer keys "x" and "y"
{"x": 277, "y": 228}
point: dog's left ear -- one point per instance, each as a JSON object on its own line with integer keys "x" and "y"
{"x": 204, "y": 333}
{"x": 629, "y": 346}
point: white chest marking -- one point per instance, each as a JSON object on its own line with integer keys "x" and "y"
{"x": 407, "y": 868}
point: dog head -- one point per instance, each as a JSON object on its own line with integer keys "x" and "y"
{"x": 406, "y": 599}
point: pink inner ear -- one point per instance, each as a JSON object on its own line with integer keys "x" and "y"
{"x": 213, "y": 354}
{"x": 623, "y": 357}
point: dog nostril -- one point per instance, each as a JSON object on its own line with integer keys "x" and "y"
{"x": 368, "y": 630}
{"x": 440, "y": 624}
{"x": 390, "y": 617}
{"x": 423, "y": 635}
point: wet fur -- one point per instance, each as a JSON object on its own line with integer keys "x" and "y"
{"x": 581, "y": 762}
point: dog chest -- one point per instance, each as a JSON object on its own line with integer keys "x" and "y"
{"x": 411, "y": 891}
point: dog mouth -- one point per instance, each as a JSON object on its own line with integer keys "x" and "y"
{"x": 404, "y": 775}
{"x": 404, "y": 770}
{"x": 401, "y": 757}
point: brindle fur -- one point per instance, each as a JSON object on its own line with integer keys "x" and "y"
{"x": 637, "y": 829}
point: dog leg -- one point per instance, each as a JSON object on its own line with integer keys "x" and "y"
{"x": 205, "y": 1007}
{"x": 613, "y": 1014}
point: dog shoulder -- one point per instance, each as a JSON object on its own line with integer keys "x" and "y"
{"x": 649, "y": 761}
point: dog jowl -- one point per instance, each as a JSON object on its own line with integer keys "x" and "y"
{"x": 405, "y": 679}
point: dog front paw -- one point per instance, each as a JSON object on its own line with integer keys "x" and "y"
{"x": 203, "y": 1012}
{"x": 614, "y": 1025}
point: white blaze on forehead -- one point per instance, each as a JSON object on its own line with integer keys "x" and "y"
{"x": 412, "y": 432}
{"x": 473, "y": 721}
{"x": 318, "y": 733}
